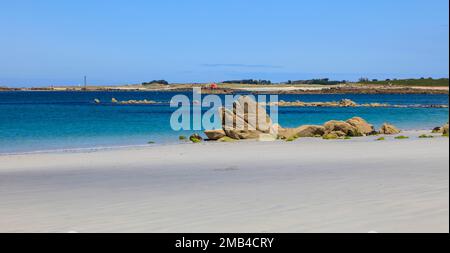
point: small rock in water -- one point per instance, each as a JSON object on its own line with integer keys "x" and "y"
{"x": 347, "y": 103}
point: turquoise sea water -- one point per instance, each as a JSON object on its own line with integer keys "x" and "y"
{"x": 35, "y": 121}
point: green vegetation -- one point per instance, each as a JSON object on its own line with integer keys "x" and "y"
{"x": 292, "y": 138}
{"x": 323, "y": 81}
{"x": 424, "y": 136}
{"x": 151, "y": 142}
{"x": 381, "y": 139}
{"x": 408, "y": 82}
{"x": 195, "y": 138}
{"x": 445, "y": 135}
{"x": 436, "y": 130}
{"x": 226, "y": 139}
{"x": 182, "y": 138}
{"x": 347, "y": 138}
{"x": 330, "y": 137}
{"x": 401, "y": 137}
{"x": 248, "y": 81}
{"x": 164, "y": 82}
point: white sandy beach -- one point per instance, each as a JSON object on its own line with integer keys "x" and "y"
{"x": 310, "y": 185}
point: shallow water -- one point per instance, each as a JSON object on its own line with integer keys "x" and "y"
{"x": 31, "y": 121}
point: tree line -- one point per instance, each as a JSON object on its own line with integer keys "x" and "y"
{"x": 326, "y": 81}
{"x": 323, "y": 81}
{"x": 248, "y": 81}
{"x": 164, "y": 82}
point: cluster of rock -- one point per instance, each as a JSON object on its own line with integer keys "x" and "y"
{"x": 347, "y": 103}
{"x": 247, "y": 120}
{"x": 239, "y": 126}
{"x": 419, "y": 106}
{"x": 374, "y": 105}
{"x": 442, "y": 130}
{"x": 342, "y": 103}
{"x": 335, "y": 129}
{"x": 128, "y": 102}
{"x": 436, "y": 106}
{"x": 134, "y": 102}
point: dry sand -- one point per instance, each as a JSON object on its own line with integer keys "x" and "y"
{"x": 310, "y": 185}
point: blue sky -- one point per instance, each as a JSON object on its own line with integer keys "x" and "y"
{"x": 117, "y": 42}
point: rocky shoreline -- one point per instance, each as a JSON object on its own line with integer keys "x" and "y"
{"x": 341, "y": 103}
{"x": 348, "y": 103}
{"x": 249, "y": 120}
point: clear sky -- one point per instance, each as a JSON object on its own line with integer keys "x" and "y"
{"x": 49, "y": 42}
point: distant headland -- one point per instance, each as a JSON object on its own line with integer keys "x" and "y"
{"x": 312, "y": 86}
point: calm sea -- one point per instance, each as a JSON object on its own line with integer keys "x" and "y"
{"x": 34, "y": 121}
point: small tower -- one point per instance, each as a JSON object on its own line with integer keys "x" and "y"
{"x": 85, "y": 83}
